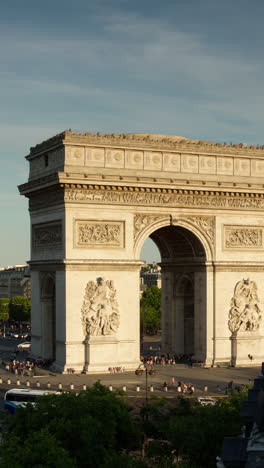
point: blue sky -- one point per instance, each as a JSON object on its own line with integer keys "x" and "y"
{"x": 184, "y": 67}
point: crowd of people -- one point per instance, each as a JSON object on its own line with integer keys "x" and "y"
{"x": 183, "y": 387}
{"x": 26, "y": 367}
{"x": 116, "y": 370}
{"x": 167, "y": 359}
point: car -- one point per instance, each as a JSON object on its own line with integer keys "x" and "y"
{"x": 14, "y": 335}
{"x": 25, "y": 336}
{"x": 206, "y": 401}
{"x": 25, "y": 345}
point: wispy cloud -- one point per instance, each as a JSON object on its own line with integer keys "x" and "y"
{"x": 152, "y": 58}
{"x": 187, "y": 68}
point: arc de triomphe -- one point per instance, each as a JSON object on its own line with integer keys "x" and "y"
{"x": 94, "y": 199}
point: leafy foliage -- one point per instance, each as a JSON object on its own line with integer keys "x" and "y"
{"x": 4, "y": 309}
{"x": 95, "y": 429}
{"x": 150, "y": 309}
{"x": 195, "y": 432}
{"x": 20, "y": 308}
{"x": 89, "y": 429}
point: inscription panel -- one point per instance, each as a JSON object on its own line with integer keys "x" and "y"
{"x": 95, "y": 233}
{"x": 243, "y": 237}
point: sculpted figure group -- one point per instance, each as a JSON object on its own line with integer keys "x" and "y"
{"x": 245, "y": 314}
{"x": 100, "y": 315}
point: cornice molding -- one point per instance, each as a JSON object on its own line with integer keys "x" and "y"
{"x": 144, "y": 196}
{"x": 145, "y": 141}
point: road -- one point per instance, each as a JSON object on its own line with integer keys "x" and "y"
{"x": 215, "y": 379}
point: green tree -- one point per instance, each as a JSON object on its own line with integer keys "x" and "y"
{"x": 4, "y": 309}
{"x": 150, "y": 309}
{"x": 40, "y": 449}
{"x": 20, "y": 308}
{"x": 197, "y": 435}
{"x": 91, "y": 429}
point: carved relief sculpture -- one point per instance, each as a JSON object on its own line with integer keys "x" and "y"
{"x": 142, "y": 221}
{"x": 92, "y": 233}
{"x": 100, "y": 315}
{"x": 245, "y": 314}
{"x": 47, "y": 235}
{"x": 162, "y": 197}
{"x": 206, "y": 224}
{"x": 245, "y": 237}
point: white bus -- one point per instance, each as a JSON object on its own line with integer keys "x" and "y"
{"x": 16, "y": 397}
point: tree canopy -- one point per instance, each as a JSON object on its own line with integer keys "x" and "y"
{"x": 20, "y": 308}
{"x": 195, "y": 432}
{"x": 88, "y": 429}
{"x": 4, "y": 309}
{"x": 150, "y": 309}
{"x": 96, "y": 428}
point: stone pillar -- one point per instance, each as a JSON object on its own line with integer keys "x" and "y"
{"x": 47, "y": 313}
{"x": 200, "y": 318}
{"x": 101, "y": 317}
{"x": 166, "y": 306}
{"x": 36, "y": 317}
{"x": 246, "y": 348}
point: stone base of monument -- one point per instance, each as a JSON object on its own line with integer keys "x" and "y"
{"x": 108, "y": 354}
{"x": 246, "y": 348}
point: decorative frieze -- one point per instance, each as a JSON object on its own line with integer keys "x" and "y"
{"x": 243, "y": 237}
{"x": 100, "y": 315}
{"x": 245, "y": 313}
{"x": 47, "y": 235}
{"x": 177, "y": 198}
{"x": 99, "y": 233}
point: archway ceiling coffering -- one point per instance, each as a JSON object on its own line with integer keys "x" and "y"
{"x": 176, "y": 242}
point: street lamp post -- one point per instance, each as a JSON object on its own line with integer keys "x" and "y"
{"x": 149, "y": 370}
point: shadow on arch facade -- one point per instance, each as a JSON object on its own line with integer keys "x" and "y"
{"x": 48, "y": 316}
{"x": 186, "y": 254}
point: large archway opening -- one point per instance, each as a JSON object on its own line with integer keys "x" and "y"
{"x": 48, "y": 318}
{"x": 183, "y": 284}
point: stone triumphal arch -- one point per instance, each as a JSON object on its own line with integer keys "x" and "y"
{"x": 93, "y": 201}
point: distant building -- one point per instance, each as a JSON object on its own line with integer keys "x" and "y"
{"x": 150, "y": 275}
{"x": 15, "y": 281}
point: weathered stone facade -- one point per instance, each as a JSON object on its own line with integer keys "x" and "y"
{"x": 94, "y": 200}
